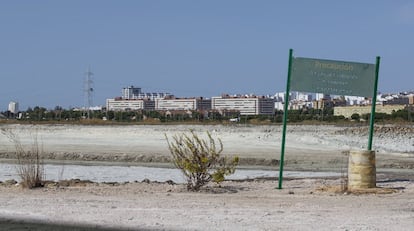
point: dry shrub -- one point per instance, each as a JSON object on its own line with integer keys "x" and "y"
{"x": 199, "y": 159}
{"x": 30, "y": 166}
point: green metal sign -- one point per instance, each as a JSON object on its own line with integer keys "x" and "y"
{"x": 332, "y": 77}
{"x": 329, "y": 77}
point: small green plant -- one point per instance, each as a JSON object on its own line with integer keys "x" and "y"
{"x": 29, "y": 162}
{"x": 200, "y": 160}
{"x": 356, "y": 117}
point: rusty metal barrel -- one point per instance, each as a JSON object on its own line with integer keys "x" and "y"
{"x": 361, "y": 169}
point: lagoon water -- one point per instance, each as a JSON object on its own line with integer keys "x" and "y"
{"x": 138, "y": 173}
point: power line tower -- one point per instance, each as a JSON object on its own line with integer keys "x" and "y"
{"x": 88, "y": 90}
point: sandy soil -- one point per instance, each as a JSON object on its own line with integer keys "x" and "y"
{"x": 307, "y": 204}
{"x": 303, "y": 204}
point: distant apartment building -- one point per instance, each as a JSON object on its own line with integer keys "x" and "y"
{"x": 299, "y": 96}
{"x": 149, "y": 105}
{"x": 279, "y": 106}
{"x": 348, "y": 111}
{"x": 172, "y": 103}
{"x": 134, "y": 99}
{"x": 246, "y": 105}
{"x": 405, "y": 100}
{"x": 120, "y": 104}
{"x": 203, "y": 104}
{"x": 385, "y": 104}
{"x": 177, "y": 104}
{"x": 132, "y": 92}
{"x": 13, "y": 107}
{"x": 266, "y": 106}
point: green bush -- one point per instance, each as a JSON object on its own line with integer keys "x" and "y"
{"x": 199, "y": 159}
{"x": 355, "y": 116}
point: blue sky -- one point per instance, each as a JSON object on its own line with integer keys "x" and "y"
{"x": 190, "y": 48}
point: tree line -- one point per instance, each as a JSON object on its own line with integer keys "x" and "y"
{"x": 59, "y": 114}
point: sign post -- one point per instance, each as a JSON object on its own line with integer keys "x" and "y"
{"x": 285, "y": 114}
{"x": 329, "y": 77}
{"x": 374, "y": 103}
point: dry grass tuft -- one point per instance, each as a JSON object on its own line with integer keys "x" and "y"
{"x": 29, "y": 161}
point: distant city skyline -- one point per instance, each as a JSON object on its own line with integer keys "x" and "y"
{"x": 190, "y": 48}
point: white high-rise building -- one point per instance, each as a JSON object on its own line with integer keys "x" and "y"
{"x": 132, "y": 92}
{"x": 300, "y": 96}
{"x": 319, "y": 96}
{"x": 14, "y": 107}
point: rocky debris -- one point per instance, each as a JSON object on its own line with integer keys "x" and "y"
{"x": 68, "y": 183}
{"x": 84, "y": 183}
{"x": 111, "y": 183}
{"x": 170, "y": 182}
{"x": 395, "y": 130}
{"x": 387, "y": 138}
{"x": 9, "y": 182}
